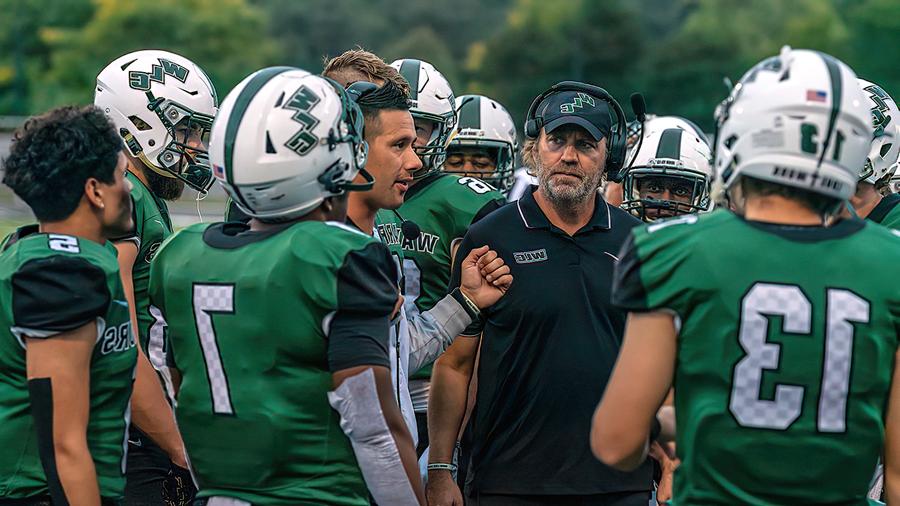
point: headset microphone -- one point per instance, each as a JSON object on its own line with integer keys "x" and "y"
{"x": 410, "y": 230}
{"x": 639, "y": 108}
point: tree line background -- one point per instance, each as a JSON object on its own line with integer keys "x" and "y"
{"x": 676, "y": 52}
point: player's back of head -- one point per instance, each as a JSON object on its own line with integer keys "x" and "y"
{"x": 53, "y": 154}
{"x": 799, "y": 121}
{"x": 284, "y": 141}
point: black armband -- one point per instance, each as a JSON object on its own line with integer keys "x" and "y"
{"x": 40, "y": 395}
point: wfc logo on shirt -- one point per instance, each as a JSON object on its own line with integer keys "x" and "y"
{"x": 530, "y": 257}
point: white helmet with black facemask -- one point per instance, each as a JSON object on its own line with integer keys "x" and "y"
{"x": 485, "y": 125}
{"x": 163, "y": 106}
{"x": 285, "y": 140}
{"x": 433, "y": 101}
{"x": 670, "y": 172}
{"x": 799, "y": 119}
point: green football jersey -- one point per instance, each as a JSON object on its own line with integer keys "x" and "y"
{"x": 443, "y": 206}
{"x": 887, "y": 212}
{"x": 152, "y": 226}
{"x": 256, "y": 323}
{"x": 785, "y": 352}
{"x": 389, "y": 230}
{"x": 52, "y": 283}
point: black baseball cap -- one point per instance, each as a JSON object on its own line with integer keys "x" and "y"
{"x": 576, "y": 108}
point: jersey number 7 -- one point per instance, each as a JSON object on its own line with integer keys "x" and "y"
{"x": 209, "y": 299}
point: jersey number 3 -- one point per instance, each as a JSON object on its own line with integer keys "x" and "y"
{"x": 843, "y": 309}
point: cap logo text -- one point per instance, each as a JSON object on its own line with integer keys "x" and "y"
{"x": 577, "y": 103}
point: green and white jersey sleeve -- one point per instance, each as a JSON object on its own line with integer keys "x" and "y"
{"x": 51, "y": 284}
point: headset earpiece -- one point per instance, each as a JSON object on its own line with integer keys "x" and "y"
{"x": 533, "y": 128}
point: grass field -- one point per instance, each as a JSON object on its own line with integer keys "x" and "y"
{"x": 7, "y": 225}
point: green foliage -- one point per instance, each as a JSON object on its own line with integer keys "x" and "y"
{"x": 222, "y": 36}
{"x": 875, "y": 29}
{"x": 676, "y": 52}
{"x": 723, "y": 38}
{"x": 546, "y": 42}
{"x": 24, "y": 55}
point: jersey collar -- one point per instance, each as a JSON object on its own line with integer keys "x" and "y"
{"x": 534, "y": 218}
{"x": 420, "y": 185}
{"x": 884, "y": 207}
{"x": 808, "y": 233}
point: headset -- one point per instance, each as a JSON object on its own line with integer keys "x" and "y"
{"x": 618, "y": 136}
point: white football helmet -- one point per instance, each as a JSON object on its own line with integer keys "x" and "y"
{"x": 673, "y": 151}
{"x": 885, "y": 148}
{"x": 285, "y": 140}
{"x": 161, "y": 102}
{"x": 483, "y": 123}
{"x": 432, "y": 99}
{"x": 798, "y": 119}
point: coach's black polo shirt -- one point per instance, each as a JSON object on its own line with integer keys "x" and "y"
{"x": 548, "y": 349}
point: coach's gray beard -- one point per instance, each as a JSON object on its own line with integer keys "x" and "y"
{"x": 566, "y": 196}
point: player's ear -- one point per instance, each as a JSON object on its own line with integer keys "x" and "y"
{"x": 327, "y": 205}
{"x": 93, "y": 192}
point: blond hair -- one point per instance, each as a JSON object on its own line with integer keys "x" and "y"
{"x": 361, "y": 65}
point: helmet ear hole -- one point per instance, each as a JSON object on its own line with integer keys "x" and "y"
{"x": 140, "y": 124}
{"x": 885, "y": 148}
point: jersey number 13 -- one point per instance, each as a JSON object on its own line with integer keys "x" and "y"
{"x": 843, "y": 309}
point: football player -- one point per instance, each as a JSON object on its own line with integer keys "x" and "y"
{"x": 162, "y": 105}
{"x": 870, "y": 201}
{"x": 784, "y": 361}
{"x": 669, "y": 174}
{"x": 483, "y": 144}
{"x": 442, "y": 205}
{"x": 417, "y": 338}
{"x": 67, "y": 355}
{"x": 272, "y": 321}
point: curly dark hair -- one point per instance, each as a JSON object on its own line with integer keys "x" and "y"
{"x": 53, "y": 154}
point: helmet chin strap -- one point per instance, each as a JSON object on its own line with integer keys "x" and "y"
{"x": 361, "y": 187}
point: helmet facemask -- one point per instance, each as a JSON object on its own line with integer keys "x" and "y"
{"x": 668, "y": 174}
{"x": 504, "y": 161}
{"x": 185, "y": 156}
{"x": 434, "y": 152}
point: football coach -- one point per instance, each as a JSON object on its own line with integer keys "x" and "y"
{"x": 546, "y": 349}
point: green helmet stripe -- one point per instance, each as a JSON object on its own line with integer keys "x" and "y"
{"x": 409, "y": 69}
{"x": 670, "y": 144}
{"x": 237, "y": 114}
{"x": 470, "y": 113}
{"x": 834, "y": 74}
